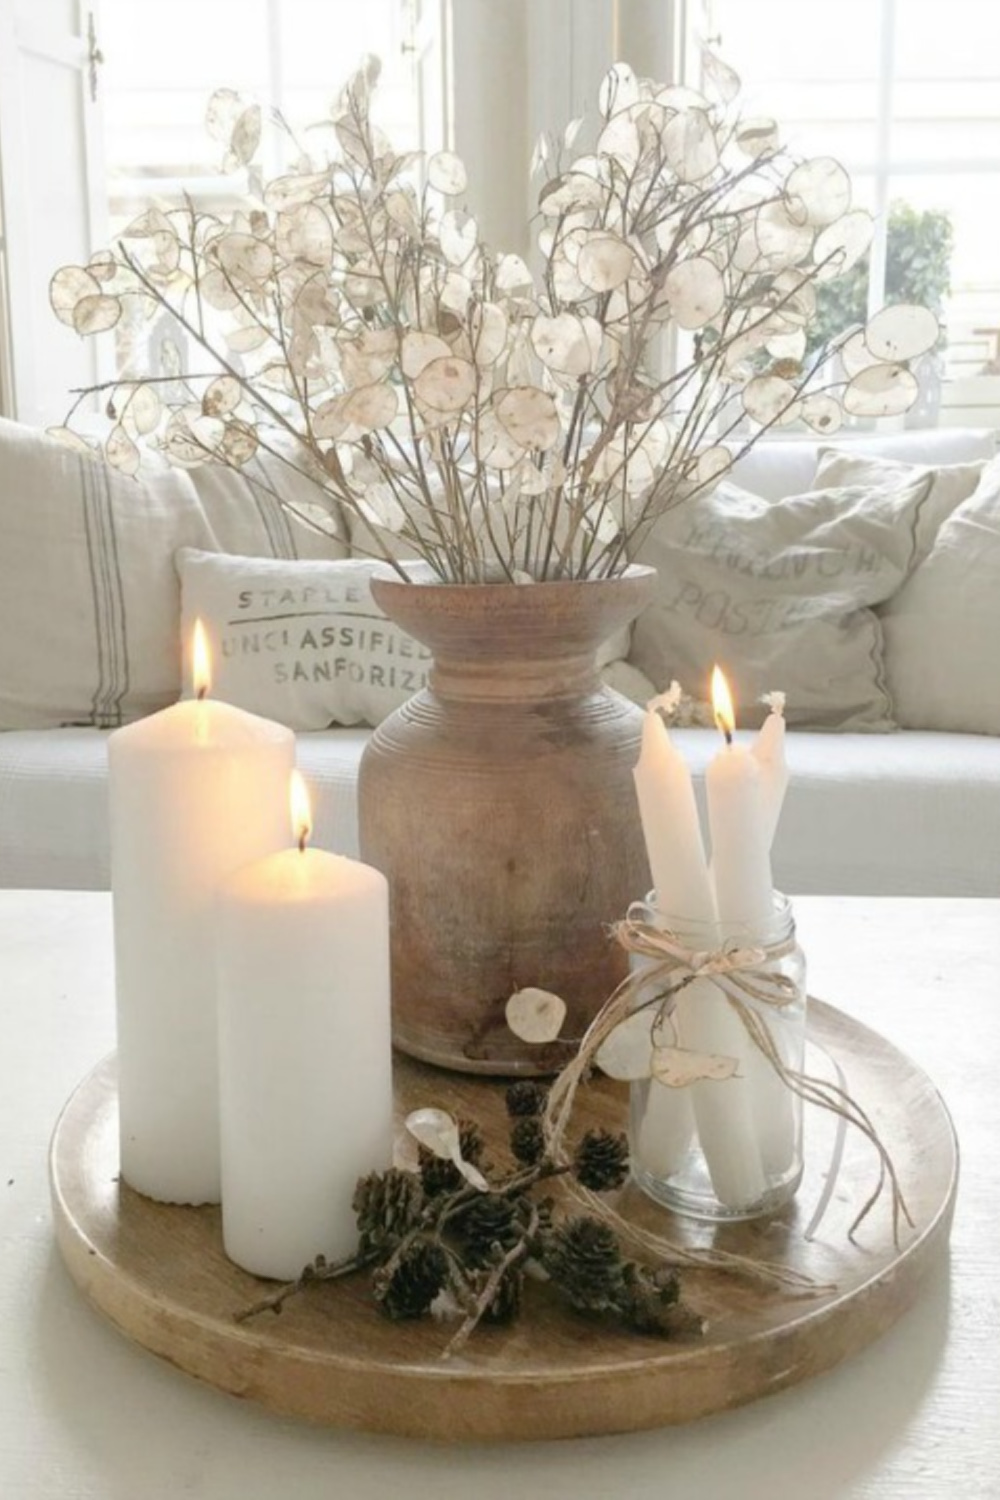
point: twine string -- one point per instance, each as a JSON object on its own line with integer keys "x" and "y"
{"x": 746, "y": 977}
{"x": 836, "y": 1157}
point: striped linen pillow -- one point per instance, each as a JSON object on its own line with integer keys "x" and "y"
{"x": 89, "y": 595}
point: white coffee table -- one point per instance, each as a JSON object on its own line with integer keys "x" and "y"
{"x": 86, "y": 1416}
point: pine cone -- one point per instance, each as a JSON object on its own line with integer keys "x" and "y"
{"x": 489, "y": 1220}
{"x": 507, "y": 1303}
{"x": 601, "y": 1161}
{"x": 386, "y": 1205}
{"x": 526, "y": 1098}
{"x": 411, "y": 1288}
{"x": 527, "y": 1140}
{"x": 441, "y": 1176}
{"x": 438, "y": 1175}
{"x": 583, "y": 1257}
{"x": 649, "y": 1300}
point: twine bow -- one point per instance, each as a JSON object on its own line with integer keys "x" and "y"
{"x": 747, "y": 979}
{"x": 736, "y": 971}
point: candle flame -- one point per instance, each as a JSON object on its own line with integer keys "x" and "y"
{"x": 201, "y": 662}
{"x": 301, "y": 809}
{"x": 722, "y": 704}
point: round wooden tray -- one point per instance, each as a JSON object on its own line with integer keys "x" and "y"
{"x": 159, "y": 1273}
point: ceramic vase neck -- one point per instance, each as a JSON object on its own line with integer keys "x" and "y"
{"x": 514, "y": 679}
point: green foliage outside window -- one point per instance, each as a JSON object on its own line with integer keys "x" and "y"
{"x": 918, "y": 269}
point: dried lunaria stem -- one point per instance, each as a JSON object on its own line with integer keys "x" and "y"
{"x": 348, "y": 321}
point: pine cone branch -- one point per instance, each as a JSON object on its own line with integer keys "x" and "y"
{"x": 527, "y": 1140}
{"x": 488, "y": 1223}
{"x": 440, "y": 1176}
{"x": 526, "y": 1097}
{"x": 408, "y": 1285}
{"x": 387, "y": 1206}
{"x": 429, "y": 1232}
{"x": 583, "y": 1257}
{"x": 601, "y": 1161}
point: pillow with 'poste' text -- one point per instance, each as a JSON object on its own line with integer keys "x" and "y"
{"x": 782, "y": 594}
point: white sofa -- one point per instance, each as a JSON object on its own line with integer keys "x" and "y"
{"x": 908, "y": 813}
{"x": 896, "y": 814}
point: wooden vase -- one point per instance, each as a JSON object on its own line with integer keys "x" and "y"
{"x": 499, "y": 803}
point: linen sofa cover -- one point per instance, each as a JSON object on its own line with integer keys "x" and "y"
{"x": 787, "y": 466}
{"x": 912, "y": 814}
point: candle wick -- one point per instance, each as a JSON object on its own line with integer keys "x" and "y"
{"x": 202, "y": 691}
{"x": 303, "y": 839}
{"x": 724, "y": 729}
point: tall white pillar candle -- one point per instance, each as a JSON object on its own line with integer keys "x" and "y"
{"x": 304, "y": 1055}
{"x": 195, "y": 792}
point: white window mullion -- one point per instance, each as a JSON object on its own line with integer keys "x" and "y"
{"x": 883, "y": 154}
{"x": 275, "y": 141}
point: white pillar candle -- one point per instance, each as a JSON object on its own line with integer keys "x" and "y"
{"x": 744, "y": 894}
{"x": 304, "y": 1055}
{"x": 195, "y": 792}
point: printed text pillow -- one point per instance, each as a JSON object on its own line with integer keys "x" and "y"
{"x": 301, "y": 642}
{"x": 782, "y": 593}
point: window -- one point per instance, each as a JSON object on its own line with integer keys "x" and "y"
{"x": 906, "y": 93}
{"x": 163, "y": 62}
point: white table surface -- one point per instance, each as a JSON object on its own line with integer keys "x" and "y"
{"x": 84, "y": 1415}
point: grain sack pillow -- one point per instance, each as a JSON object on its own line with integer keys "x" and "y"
{"x": 949, "y": 486}
{"x": 300, "y": 642}
{"x": 782, "y": 594}
{"x": 89, "y": 596}
{"x": 942, "y": 628}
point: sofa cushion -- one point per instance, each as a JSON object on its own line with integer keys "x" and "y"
{"x": 787, "y": 466}
{"x": 301, "y": 641}
{"x": 782, "y": 596}
{"x": 906, "y": 814}
{"x": 89, "y": 597}
{"x": 950, "y": 484}
{"x": 942, "y": 630}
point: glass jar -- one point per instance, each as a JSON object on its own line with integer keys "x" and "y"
{"x": 730, "y": 1147}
